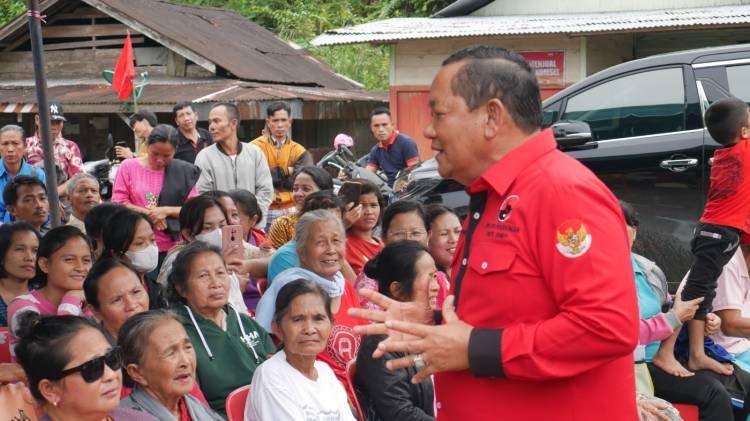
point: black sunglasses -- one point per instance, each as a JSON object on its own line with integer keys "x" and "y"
{"x": 93, "y": 369}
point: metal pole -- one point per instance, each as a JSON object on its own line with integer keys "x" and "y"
{"x": 37, "y": 52}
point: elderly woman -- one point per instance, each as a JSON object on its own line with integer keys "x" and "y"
{"x": 160, "y": 359}
{"x": 156, "y": 185}
{"x": 292, "y": 385}
{"x": 202, "y": 219}
{"x": 115, "y": 293}
{"x": 321, "y": 244}
{"x": 286, "y": 256}
{"x": 228, "y": 345}
{"x": 73, "y": 372}
{"x": 83, "y": 194}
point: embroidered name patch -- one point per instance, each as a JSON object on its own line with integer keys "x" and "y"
{"x": 573, "y": 240}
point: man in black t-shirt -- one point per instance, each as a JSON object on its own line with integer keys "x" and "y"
{"x": 191, "y": 139}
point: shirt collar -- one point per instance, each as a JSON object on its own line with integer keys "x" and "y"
{"x": 391, "y": 140}
{"x": 23, "y": 170}
{"x": 636, "y": 267}
{"x": 503, "y": 172}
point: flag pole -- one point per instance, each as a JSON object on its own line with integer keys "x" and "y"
{"x": 37, "y": 53}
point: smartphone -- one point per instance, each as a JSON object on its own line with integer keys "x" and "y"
{"x": 231, "y": 235}
{"x": 350, "y": 192}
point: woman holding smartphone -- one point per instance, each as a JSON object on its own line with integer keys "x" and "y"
{"x": 202, "y": 218}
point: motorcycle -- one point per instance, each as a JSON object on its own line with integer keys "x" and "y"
{"x": 343, "y": 160}
{"x": 105, "y": 170}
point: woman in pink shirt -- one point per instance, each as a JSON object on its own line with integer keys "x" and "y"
{"x": 63, "y": 261}
{"x": 156, "y": 185}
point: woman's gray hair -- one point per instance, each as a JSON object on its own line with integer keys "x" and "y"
{"x": 308, "y": 219}
{"x": 73, "y": 183}
{"x": 135, "y": 332}
{"x": 12, "y": 128}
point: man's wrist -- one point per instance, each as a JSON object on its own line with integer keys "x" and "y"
{"x": 485, "y": 352}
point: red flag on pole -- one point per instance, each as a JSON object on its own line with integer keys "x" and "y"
{"x": 122, "y": 80}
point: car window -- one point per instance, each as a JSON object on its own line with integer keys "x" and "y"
{"x": 739, "y": 81}
{"x": 634, "y": 105}
{"x": 550, "y": 114}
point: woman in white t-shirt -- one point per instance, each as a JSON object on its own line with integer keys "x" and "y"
{"x": 293, "y": 385}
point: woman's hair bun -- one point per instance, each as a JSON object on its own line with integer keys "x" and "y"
{"x": 27, "y": 323}
{"x": 372, "y": 268}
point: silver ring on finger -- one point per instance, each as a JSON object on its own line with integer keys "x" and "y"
{"x": 419, "y": 362}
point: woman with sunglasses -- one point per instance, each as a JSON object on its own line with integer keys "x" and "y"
{"x": 73, "y": 372}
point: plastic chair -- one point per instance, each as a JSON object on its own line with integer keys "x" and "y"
{"x": 5, "y": 346}
{"x": 351, "y": 370}
{"x": 235, "y": 403}
{"x": 687, "y": 412}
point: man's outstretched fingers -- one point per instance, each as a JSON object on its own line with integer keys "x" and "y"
{"x": 371, "y": 329}
{"x": 415, "y": 329}
{"x": 399, "y": 363}
{"x": 363, "y": 313}
{"x": 412, "y": 346}
{"x": 423, "y": 375}
{"x": 376, "y": 298}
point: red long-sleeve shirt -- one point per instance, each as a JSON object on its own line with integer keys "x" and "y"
{"x": 548, "y": 285}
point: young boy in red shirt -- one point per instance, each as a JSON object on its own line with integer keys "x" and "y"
{"x": 725, "y": 219}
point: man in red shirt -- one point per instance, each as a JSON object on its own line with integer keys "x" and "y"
{"x": 546, "y": 318}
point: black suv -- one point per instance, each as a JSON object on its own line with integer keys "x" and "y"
{"x": 649, "y": 144}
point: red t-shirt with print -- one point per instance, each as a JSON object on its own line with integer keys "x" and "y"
{"x": 728, "y": 201}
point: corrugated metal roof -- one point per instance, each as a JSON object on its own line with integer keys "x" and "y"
{"x": 84, "y": 95}
{"x": 581, "y": 23}
{"x": 211, "y": 37}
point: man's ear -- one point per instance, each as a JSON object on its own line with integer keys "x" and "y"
{"x": 11, "y": 210}
{"x": 496, "y": 118}
{"x": 745, "y": 132}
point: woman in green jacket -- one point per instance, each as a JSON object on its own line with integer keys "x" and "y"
{"x": 228, "y": 345}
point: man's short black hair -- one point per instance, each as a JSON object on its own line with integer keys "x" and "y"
{"x": 724, "y": 119}
{"x": 180, "y": 105}
{"x": 379, "y": 111}
{"x": 10, "y": 194}
{"x": 143, "y": 115}
{"x": 278, "y": 106}
{"x": 494, "y": 72}
{"x": 630, "y": 214}
{"x": 232, "y": 111}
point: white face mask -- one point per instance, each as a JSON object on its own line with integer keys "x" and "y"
{"x": 144, "y": 260}
{"x": 213, "y": 238}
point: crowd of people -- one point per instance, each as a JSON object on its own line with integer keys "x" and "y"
{"x": 331, "y": 307}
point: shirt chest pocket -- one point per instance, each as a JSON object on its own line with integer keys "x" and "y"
{"x": 487, "y": 258}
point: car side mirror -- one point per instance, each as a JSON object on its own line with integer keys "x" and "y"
{"x": 571, "y": 133}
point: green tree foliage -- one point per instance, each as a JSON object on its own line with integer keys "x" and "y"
{"x": 301, "y": 20}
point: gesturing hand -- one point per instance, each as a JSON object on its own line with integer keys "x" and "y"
{"x": 443, "y": 348}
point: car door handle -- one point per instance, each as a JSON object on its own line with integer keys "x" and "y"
{"x": 678, "y": 165}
